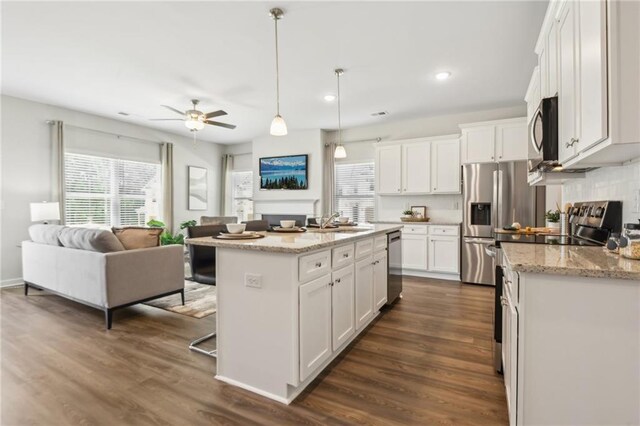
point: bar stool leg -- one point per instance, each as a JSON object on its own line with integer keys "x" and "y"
{"x": 193, "y": 345}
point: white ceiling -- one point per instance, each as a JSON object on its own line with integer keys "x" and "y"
{"x": 106, "y": 57}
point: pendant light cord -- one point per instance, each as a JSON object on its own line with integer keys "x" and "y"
{"x": 339, "y": 115}
{"x": 276, "y": 18}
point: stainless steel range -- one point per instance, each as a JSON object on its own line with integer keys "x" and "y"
{"x": 591, "y": 222}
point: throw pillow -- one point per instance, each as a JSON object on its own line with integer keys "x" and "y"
{"x": 100, "y": 240}
{"x": 46, "y": 234}
{"x": 137, "y": 237}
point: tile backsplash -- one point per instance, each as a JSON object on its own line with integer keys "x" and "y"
{"x": 440, "y": 207}
{"x": 620, "y": 183}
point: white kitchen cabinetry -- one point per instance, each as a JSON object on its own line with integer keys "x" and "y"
{"x": 315, "y": 324}
{"x": 364, "y": 291}
{"x": 343, "y": 303}
{"x": 587, "y": 52}
{"x": 494, "y": 141}
{"x": 416, "y": 170}
{"x": 444, "y": 254}
{"x": 510, "y": 350}
{"x": 419, "y": 166}
{"x": 532, "y": 97}
{"x": 388, "y": 170}
{"x": 445, "y": 177}
{"x": 414, "y": 251}
{"x": 379, "y": 279}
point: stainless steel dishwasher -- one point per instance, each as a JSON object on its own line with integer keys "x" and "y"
{"x": 394, "y": 266}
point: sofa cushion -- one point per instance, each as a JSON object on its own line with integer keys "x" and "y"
{"x": 100, "y": 240}
{"x": 46, "y": 234}
{"x": 133, "y": 237}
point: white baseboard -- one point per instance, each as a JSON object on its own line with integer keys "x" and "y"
{"x": 12, "y": 282}
{"x": 425, "y": 274}
{"x": 252, "y": 389}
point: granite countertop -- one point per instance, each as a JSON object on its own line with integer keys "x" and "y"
{"x": 399, "y": 222}
{"x": 296, "y": 243}
{"x": 595, "y": 262}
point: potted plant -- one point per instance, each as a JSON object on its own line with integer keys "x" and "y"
{"x": 553, "y": 218}
{"x": 166, "y": 238}
{"x": 407, "y": 214}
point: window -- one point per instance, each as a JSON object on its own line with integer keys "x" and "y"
{"x": 242, "y": 193}
{"x": 110, "y": 192}
{"x": 354, "y": 191}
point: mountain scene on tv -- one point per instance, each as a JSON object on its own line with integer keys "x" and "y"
{"x": 284, "y": 172}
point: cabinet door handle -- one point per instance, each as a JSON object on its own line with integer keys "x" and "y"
{"x": 345, "y": 255}
{"x": 337, "y": 281}
{"x": 318, "y": 264}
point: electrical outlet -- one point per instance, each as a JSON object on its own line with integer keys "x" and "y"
{"x": 253, "y": 280}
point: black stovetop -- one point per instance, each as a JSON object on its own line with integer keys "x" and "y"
{"x": 543, "y": 239}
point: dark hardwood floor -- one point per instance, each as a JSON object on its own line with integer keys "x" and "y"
{"x": 425, "y": 361}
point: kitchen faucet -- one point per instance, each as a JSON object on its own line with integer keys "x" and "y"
{"x": 324, "y": 223}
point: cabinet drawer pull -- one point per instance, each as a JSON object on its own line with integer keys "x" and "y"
{"x": 318, "y": 264}
{"x": 337, "y": 280}
{"x": 345, "y": 255}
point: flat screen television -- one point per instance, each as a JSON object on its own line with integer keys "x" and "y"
{"x": 287, "y": 172}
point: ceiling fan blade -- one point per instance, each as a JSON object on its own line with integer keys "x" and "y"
{"x": 173, "y": 109}
{"x": 217, "y": 123}
{"x": 166, "y": 119}
{"x": 215, "y": 114}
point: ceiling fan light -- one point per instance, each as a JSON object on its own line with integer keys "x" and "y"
{"x": 278, "y": 126}
{"x": 194, "y": 124}
{"x": 340, "y": 152}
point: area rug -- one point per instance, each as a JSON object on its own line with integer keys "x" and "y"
{"x": 199, "y": 301}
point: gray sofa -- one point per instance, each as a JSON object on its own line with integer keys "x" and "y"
{"x": 104, "y": 276}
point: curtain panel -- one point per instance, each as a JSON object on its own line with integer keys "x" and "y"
{"x": 225, "y": 184}
{"x": 57, "y": 166}
{"x": 328, "y": 179}
{"x": 166, "y": 154}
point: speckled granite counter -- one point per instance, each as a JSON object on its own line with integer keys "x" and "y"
{"x": 569, "y": 260}
{"x": 399, "y": 222}
{"x": 298, "y": 242}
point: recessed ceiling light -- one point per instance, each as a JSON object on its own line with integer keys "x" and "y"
{"x": 329, "y": 98}
{"x": 443, "y": 75}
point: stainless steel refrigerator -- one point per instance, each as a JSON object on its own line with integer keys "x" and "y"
{"x": 495, "y": 195}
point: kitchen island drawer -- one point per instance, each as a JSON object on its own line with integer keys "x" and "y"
{"x": 314, "y": 265}
{"x": 343, "y": 256}
{"x": 364, "y": 248}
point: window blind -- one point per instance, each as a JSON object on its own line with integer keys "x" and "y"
{"x": 110, "y": 192}
{"x": 354, "y": 191}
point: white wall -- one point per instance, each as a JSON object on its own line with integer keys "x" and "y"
{"x": 621, "y": 183}
{"x": 307, "y": 201}
{"x": 439, "y": 207}
{"x": 26, "y": 168}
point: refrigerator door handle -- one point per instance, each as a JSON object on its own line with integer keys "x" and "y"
{"x": 500, "y": 201}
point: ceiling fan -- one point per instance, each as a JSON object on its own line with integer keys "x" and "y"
{"x": 195, "y": 120}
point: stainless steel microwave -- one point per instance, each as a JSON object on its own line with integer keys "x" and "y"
{"x": 543, "y": 136}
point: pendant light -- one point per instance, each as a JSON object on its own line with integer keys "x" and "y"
{"x": 278, "y": 126}
{"x": 340, "y": 152}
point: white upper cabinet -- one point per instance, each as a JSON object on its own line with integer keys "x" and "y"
{"x": 388, "y": 171}
{"x": 416, "y": 165}
{"x": 568, "y": 98}
{"x": 593, "y": 73}
{"x": 532, "y": 97}
{"x": 511, "y": 141}
{"x": 445, "y": 176}
{"x": 588, "y": 56}
{"x": 478, "y": 144}
{"x": 419, "y": 166}
{"x": 494, "y": 141}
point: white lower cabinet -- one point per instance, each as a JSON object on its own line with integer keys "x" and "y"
{"x": 364, "y": 291}
{"x": 315, "y": 324}
{"x": 379, "y": 279}
{"x": 414, "y": 251}
{"x": 343, "y": 305}
{"x": 444, "y": 254}
{"x": 510, "y": 345}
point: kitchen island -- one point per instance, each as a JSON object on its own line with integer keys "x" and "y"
{"x": 570, "y": 335}
{"x": 288, "y": 304}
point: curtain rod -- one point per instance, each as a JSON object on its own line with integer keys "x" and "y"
{"x": 52, "y": 122}
{"x": 378, "y": 139}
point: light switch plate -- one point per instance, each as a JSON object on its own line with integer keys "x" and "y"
{"x": 253, "y": 280}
